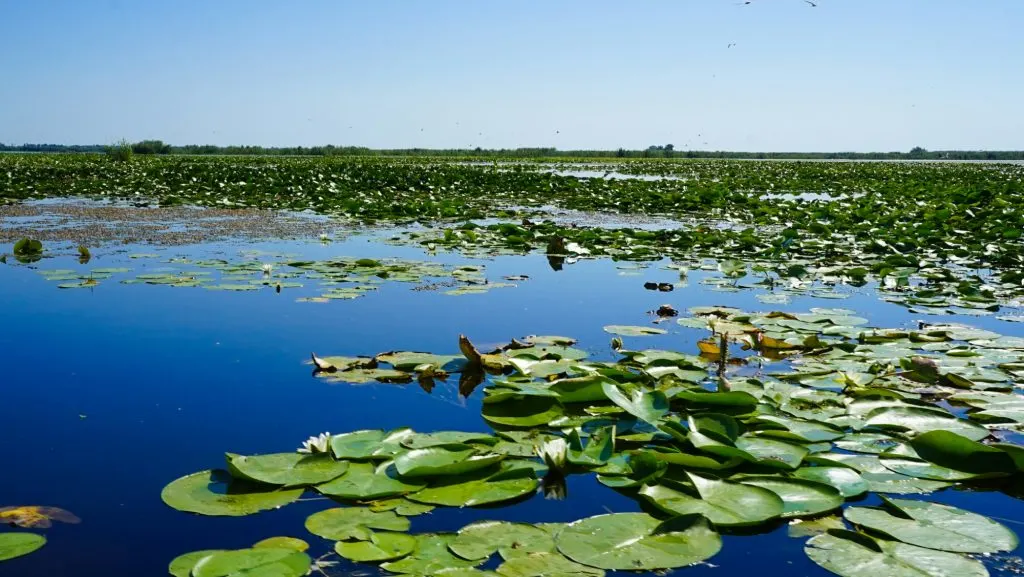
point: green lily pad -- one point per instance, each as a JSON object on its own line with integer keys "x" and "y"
{"x": 647, "y": 406}
{"x": 638, "y": 542}
{"x": 478, "y": 541}
{"x": 633, "y": 331}
{"x": 847, "y": 481}
{"x": 425, "y": 440}
{"x": 443, "y": 460}
{"x": 478, "y": 488}
{"x": 545, "y": 565}
{"x": 953, "y": 451}
{"x": 291, "y": 469}
{"x": 344, "y": 523}
{"x": 919, "y": 420}
{"x": 369, "y": 444}
{"x": 14, "y": 545}
{"x": 282, "y": 543}
{"x": 403, "y": 507}
{"x": 724, "y": 503}
{"x": 380, "y": 547}
{"x": 216, "y": 493}
{"x": 181, "y": 566}
{"x": 523, "y": 412}
{"x": 430, "y": 557}
{"x": 263, "y": 562}
{"x": 935, "y": 526}
{"x": 800, "y": 497}
{"x": 852, "y": 554}
{"x": 366, "y": 482}
{"x": 923, "y": 469}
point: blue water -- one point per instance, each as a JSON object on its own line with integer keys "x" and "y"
{"x": 110, "y": 393}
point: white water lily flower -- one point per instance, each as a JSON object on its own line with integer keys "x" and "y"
{"x": 325, "y": 237}
{"x": 267, "y": 269}
{"x": 318, "y": 444}
{"x": 553, "y": 453}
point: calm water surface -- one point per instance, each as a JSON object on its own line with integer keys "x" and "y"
{"x": 110, "y": 393}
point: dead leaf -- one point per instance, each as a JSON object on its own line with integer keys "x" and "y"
{"x": 322, "y": 365}
{"x": 35, "y": 516}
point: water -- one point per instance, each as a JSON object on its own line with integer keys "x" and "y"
{"x": 110, "y": 393}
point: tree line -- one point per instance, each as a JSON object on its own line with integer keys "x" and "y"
{"x": 158, "y": 147}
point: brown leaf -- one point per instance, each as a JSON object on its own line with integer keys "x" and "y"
{"x": 322, "y": 365}
{"x": 35, "y": 516}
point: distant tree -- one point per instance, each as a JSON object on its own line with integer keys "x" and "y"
{"x": 918, "y": 151}
{"x": 151, "y": 147}
{"x": 669, "y": 150}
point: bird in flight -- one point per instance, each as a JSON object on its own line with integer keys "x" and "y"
{"x": 731, "y": 45}
{"x": 813, "y": 5}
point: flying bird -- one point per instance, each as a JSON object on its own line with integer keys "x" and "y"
{"x": 813, "y": 5}
{"x": 731, "y": 45}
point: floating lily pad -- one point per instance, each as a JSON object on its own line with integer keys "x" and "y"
{"x": 633, "y": 331}
{"x": 852, "y": 554}
{"x": 216, "y": 493}
{"x": 545, "y": 565}
{"x": 380, "y": 547}
{"x": 182, "y": 565}
{"x": 14, "y": 545}
{"x": 430, "y": 557}
{"x": 722, "y": 502}
{"x": 344, "y": 523}
{"x": 638, "y": 542}
{"x": 478, "y": 488}
{"x": 366, "y": 482}
{"x": 935, "y": 526}
{"x": 263, "y": 562}
{"x": 800, "y": 497}
{"x": 443, "y": 460}
{"x": 291, "y": 469}
{"x": 282, "y": 543}
{"x": 480, "y": 540}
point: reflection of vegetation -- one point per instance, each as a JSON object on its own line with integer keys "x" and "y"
{"x": 837, "y": 412}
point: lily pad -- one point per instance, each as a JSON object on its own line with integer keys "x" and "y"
{"x": 545, "y": 565}
{"x": 430, "y": 557}
{"x": 847, "y": 481}
{"x": 480, "y": 540}
{"x": 638, "y": 542}
{"x": 181, "y": 566}
{"x": 852, "y": 554}
{"x": 724, "y": 503}
{"x": 633, "y": 331}
{"x": 647, "y": 406}
{"x": 262, "y": 562}
{"x": 478, "y": 488}
{"x": 366, "y": 482}
{"x": 935, "y": 526}
{"x": 290, "y": 469}
{"x": 800, "y": 497}
{"x": 14, "y": 545}
{"x": 343, "y": 523}
{"x": 380, "y": 547}
{"x": 216, "y": 493}
{"x": 443, "y": 460}
{"x": 282, "y": 543}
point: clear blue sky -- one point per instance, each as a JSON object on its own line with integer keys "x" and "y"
{"x": 845, "y": 75}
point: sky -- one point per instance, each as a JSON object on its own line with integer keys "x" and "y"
{"x": 771, "y": 75}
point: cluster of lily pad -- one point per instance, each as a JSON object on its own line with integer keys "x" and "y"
{"x": 808, "y": 412}
{"x": 340, "y": 278}
{"x": 938, "y": 237}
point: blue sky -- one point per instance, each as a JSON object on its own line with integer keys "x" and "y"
{"x": 845, "y": 75}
